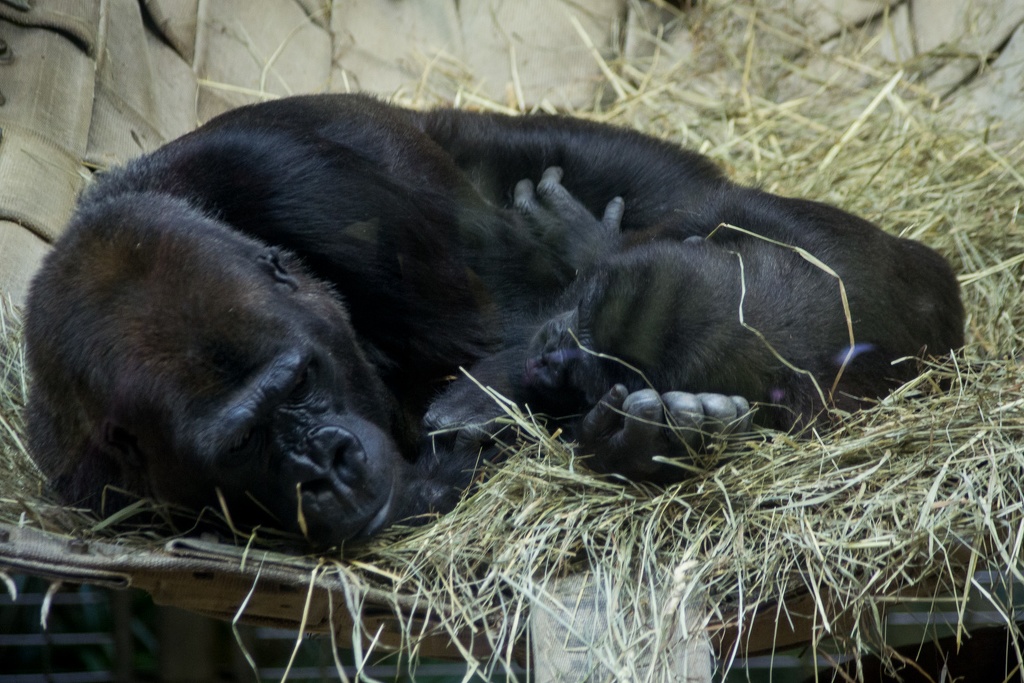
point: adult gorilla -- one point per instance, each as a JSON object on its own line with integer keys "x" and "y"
{"x": 273, "y": 306}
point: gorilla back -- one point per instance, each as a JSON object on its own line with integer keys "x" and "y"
{"x": 272, "y": 307}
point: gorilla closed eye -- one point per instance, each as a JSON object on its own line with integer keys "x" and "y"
{"x": 243, "y": 441}
{"x": 304, "y": 383}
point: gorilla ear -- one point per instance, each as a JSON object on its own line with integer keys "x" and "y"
{"x": 120, "y": 444}
{"x": 270, "y": 261}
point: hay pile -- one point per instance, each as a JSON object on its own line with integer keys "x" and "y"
{"x": 919, "y": 493}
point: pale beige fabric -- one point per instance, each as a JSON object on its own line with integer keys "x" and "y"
{"x": 579, "y": 635}
{"x": 76, "y": 19}
{"x": 537, "y": 50}
{"x": 386, "y": 47}
{"x": 46, "y": 82}
{"x": 998, "y": 98}
{"x": 246, "y": 49}
{"x": 962, "y": 51}
{"x": 972, "y": 29}
{"x": 516, "y": 52}
{"x": 21, "y": 252}
{"x": 87, "y": 84}
{"x": 176, "y": 21}
{"x": 145, "y": 92}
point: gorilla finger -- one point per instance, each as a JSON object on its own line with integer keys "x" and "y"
{"x": 685, "y": 415}
{"x": 684, "y": 409}
{"x": 550, "y": 180}
{"x": 718, "y": 406}
{"x": 524, "y": 198}
{"x": 645, "y": 422}
{"x": 553, "y": 195}
{"x": 745, "y": 416}
{"x": 720, "y": 413}
{"x": 606, "y": 416}
{"x": 612, "y": 219}
{"x": 642, "y": 403}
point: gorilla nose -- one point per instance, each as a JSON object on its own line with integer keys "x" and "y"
{"x": 339, "y": 452}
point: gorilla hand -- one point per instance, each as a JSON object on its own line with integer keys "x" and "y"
{"x": 624, "y": 431}
{"x": 564, "y": 223}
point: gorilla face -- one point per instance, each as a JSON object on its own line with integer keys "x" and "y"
{"x": 206, "y": 361}
{"x": 287, "y": 436}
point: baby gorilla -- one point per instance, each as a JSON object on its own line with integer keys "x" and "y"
{"x": 562, "y": 375}
{"x": 666, "y": 339}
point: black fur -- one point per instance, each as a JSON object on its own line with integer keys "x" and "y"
{"x": 274, "y": 305}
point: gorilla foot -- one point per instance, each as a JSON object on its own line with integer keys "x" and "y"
{"x": 625, "y": 431}
{"x": 552, "y": 350}
{"x": 552, "y": 211}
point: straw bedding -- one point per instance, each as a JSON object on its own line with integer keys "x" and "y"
{"x": 916, "y": 495}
